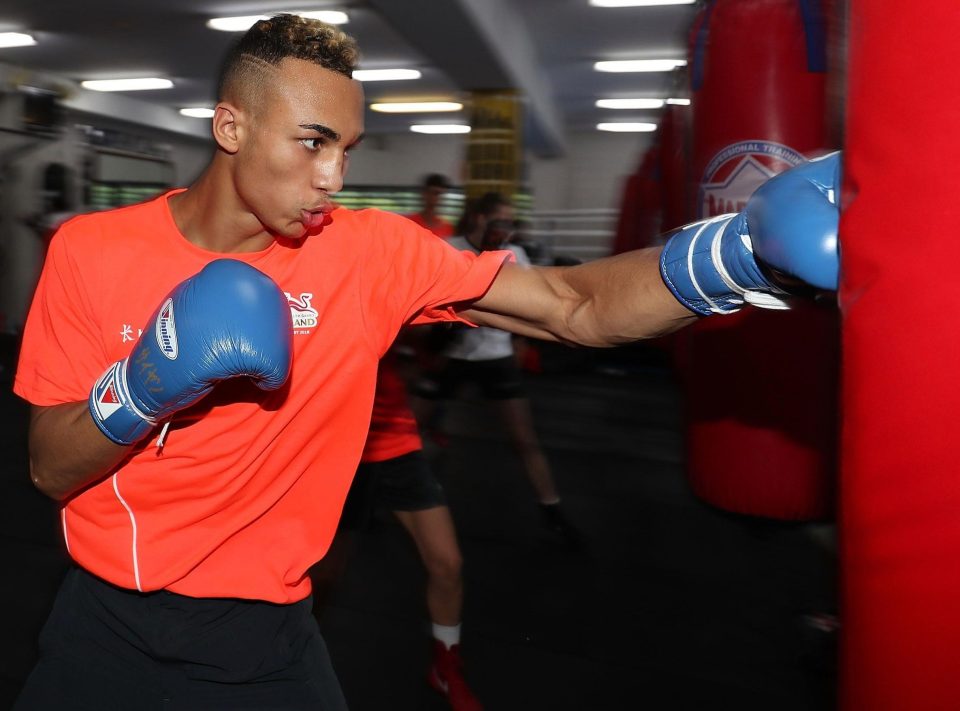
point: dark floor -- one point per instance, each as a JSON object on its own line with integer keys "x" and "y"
{"x": 669, "y": 604}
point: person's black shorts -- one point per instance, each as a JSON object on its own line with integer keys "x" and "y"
{"x": 404, "y": 483}
{"x": 497, "y": 379}
{"x": 104, "y": 648}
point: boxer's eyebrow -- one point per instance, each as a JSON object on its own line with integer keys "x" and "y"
{"x": 324, "y": 131}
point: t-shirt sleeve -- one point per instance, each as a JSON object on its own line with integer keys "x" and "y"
{"x": 476, "y": 273}
{"x": 414, "y": 277}
{"x": 61, "y": 354}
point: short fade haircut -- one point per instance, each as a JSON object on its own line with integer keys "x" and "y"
{"x": 284, "y": 36}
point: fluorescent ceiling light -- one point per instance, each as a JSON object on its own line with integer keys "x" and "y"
{"x": 412, "y": 107}
{"x": 440, "y": 128}
{"x": 629, "y": 103}
{"x": 197, "y": 112}
{"x": 126, "y": 84}
{"x": 242, "y": 23}
{"x": 16, "y": 39}
{"x": 625, "y": 127}
{"x": 639, "y": 3}
{"x": 385, "y": 74}
{"x": 678, "y": 102}
{"x": 640, "y": 65}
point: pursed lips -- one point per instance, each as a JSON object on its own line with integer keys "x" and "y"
{"x": 315, "y": 216}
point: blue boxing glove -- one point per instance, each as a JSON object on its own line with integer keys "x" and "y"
{"x": 228, "y": 320}
{"x": 786, "y": 233}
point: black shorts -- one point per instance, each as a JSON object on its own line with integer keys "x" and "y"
{"x": 498, "y": 379}
{"x": 105, "y": 648}
{"x": 404, "y": 483}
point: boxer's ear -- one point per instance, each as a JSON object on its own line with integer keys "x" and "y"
{"x": 228, "y": 126}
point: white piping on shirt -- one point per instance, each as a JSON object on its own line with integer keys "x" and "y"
{"x": 133, "y": 522}
{"x": 63, "y": 523}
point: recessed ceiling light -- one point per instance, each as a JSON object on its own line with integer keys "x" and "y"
{"x": 197, "y": 112}
{"x": 629, "y": 103}
{"x": 626, "y": 127}
{"x": 639, "y": 3}
{"x": 16, "y": 39}
{"x": 242, "y": 23}
{"x": 440, "y": 128}
{"x": 411, "y": 107}
{"x": 126, "y": 84}
{"x": 385, "y": 74}
{"x": 640, "y": 65}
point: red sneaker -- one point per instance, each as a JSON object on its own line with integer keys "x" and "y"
{"x": 446, "y": 676}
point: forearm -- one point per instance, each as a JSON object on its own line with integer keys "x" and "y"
{"x": 606, "y": 302}
{"x": 68, "y": 451}
{"x": 622, "y": 299}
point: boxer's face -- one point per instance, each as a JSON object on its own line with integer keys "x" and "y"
{"x": 294, "y": 146}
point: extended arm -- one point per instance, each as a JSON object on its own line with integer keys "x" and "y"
{"x": 602, "y": 303}
{"x": 786, "y": 233}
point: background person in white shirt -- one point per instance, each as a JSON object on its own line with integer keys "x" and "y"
{"x": 485, "y": 356}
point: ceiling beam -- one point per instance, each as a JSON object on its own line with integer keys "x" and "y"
{"x": 482, "y": 44}
{"x": 72, "y": 96}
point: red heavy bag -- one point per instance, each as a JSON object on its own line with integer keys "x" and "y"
{"x": 639, "y": 220}
{"x": 760, "y": 386}
{"x": 674, "y": 166}
{"x": 900, "y": 495}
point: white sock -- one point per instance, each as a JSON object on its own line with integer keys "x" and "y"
{"x": 448, "y": 634}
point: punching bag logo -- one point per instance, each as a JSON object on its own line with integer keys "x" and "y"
{"x": 737, "y": 170}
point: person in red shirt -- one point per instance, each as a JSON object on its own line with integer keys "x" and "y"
{"x": 432, "y": 190}
{"x": 201, "y": 371}
{"x": 394, "y": 474}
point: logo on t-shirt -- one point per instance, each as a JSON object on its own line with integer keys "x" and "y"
{"x": 304, "y": 316}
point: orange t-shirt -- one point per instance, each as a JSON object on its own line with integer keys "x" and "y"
{"x": 441, "y": 228}
{"x": 247, "y": 491}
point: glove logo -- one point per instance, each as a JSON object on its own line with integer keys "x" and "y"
{"x": 303, "y": 315}
{"x": 166, "y": 331}
{"x": 106, "y": 401}
{"x": 737, "y": 170}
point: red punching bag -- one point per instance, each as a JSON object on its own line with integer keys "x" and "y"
{"x": 900, "y": 494}
{"x": 761, "y": 393}
{"x": 639, "y": 220}
{"x": 674, "y": 166}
